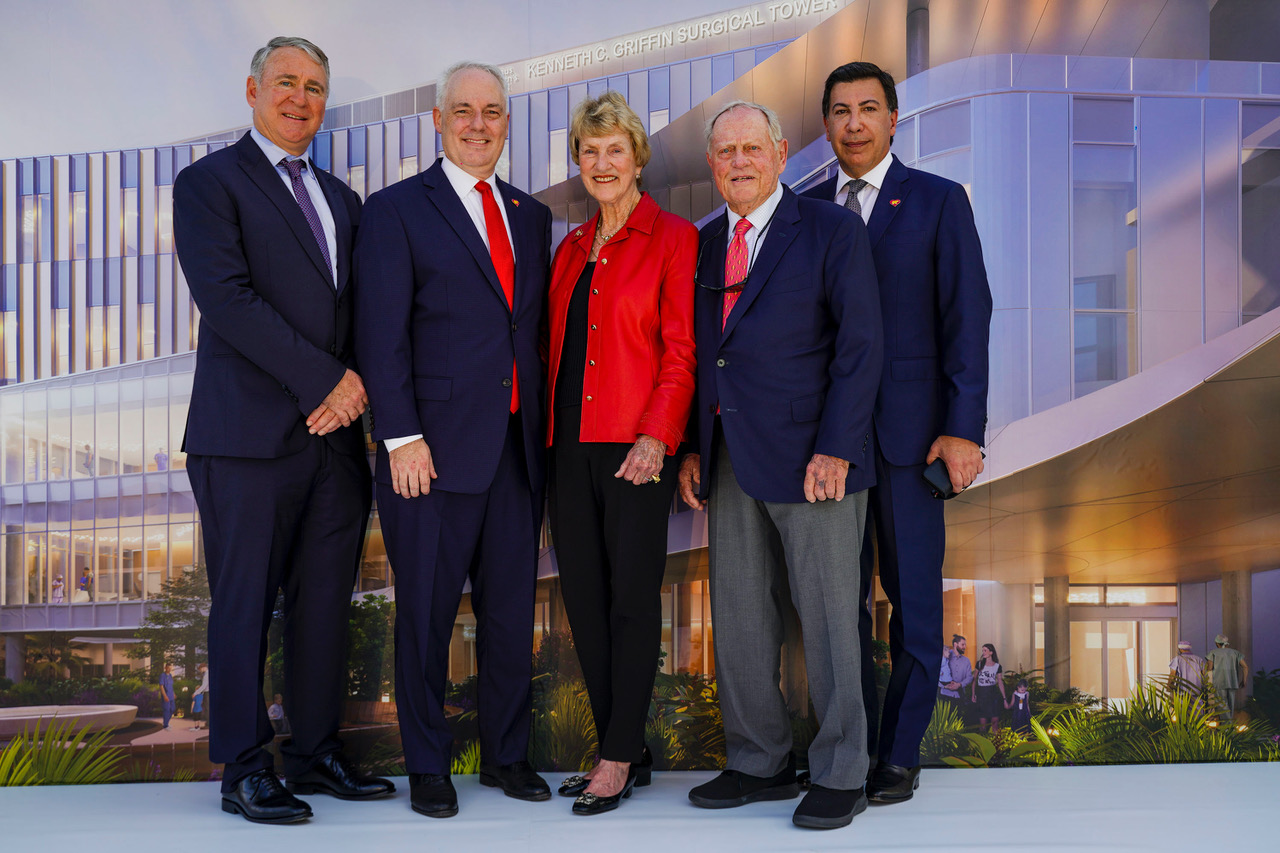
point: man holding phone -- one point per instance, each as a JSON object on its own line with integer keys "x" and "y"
{"x": 932, "y": 400}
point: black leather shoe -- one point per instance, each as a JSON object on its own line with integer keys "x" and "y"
{"x": 890, "y": 783}
{"x": 829, "y": 808}
{"x": 732, "y": 788}
{"x": 591, "y": 804}
{"x": 334, "y": 775}
{"x": 259, "y": 797}
{"x": 432, "y": 795}
{"x": 573, "y": 786}
{"x": 516, "y": 780}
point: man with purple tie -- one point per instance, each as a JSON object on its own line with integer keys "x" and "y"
{"x": 276, "y": 452}
{"x": 453, "y": 268}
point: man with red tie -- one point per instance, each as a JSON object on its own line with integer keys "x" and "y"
{"x": 453, "y": 269}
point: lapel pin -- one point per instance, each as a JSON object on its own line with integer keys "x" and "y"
{"x": 894, "y": 202}
{"x": 516, "y": 202}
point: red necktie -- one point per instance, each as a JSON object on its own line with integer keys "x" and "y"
{"x": 735, "y": 268}
{"x": 504, "y": 262}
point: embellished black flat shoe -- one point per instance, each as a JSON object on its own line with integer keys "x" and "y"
{"x": 573, "y": 786}
{"x": 592, "y": 804}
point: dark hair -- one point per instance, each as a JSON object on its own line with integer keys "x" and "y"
{"x": 1022, "y": 682}
{"x": 955, "y": 637}
{"x": 995, "y": 658}
{"x": 852, "y": 71}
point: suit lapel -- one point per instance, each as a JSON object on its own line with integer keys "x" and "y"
{"x": 341, "y": 225}
{"x": 522, "y": 245}
{"x": 711, "y": 271}
{"x": 264, "y": 174}
{"x": 782, "y": 230}
{"x": 454, "y": 212}
{"x": 888, "y": 200}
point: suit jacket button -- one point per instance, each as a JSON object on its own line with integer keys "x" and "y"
{"x": 588, "y": 398}
{"x": 711, "y": 408}
{"x": 514, "y": 327}
{"x": 720, "y": 362}
{"x": 506, "y": 383}
{"x": 593, "y": 327}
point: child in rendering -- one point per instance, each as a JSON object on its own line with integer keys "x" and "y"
{"x": 1020, "y": 702}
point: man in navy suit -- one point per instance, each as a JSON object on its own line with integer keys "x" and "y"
{"x": 453, "y": 272}
{"x": 276, "y": 453}
{"x": 932, "y": 401}
{"x": 788, "y": 332}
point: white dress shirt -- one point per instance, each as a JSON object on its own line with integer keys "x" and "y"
{"x": 868, "y": 195}
{"x": 464, "y": 184}
{"x": 309, "y": 180}
{"x": 760, "y": 219}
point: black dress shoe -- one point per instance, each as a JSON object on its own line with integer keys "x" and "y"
{"x": 829, "y": 808}
{"x": 516, "y": 780}
{"x": 732, "y": 788}
{"x": 573, "y": 786}
{"x": 890, "y": 783}
{"x": 432, "y": 794}
{"x": 334, "y": 775}
{"x": 259, "y": 797}
{"x": 591, "y": 804}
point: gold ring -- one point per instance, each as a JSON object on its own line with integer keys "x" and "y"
{"x": 655, "y": 479}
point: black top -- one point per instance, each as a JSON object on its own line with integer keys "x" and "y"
{"x": 573, "y": 352}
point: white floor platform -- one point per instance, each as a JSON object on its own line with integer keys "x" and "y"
{"x": 1204, "y": 808}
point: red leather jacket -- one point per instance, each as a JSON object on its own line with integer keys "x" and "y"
{"x": 640, "y": 354}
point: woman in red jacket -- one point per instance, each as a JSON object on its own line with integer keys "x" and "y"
{"x": 620, "y": 377}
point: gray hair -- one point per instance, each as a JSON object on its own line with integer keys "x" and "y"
{"x": 446, "y": 80}
{"x": 259, "y": 63}
{"x": 775, "y": 126}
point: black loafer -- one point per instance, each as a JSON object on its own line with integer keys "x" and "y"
{"x": 432, "y": 795}
{"x": 573, "y": 786}
{"x": 334, "y": 775}
{"x": 731, "y": 788}
{"x": 890, "y": 783}
{"x": 593, "y": 804}
{"x": 260, "y": 798}
{"x": 516, "y": 780}
{"x": 829, "y": 808}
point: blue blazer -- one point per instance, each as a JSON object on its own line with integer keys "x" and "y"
{"x": 795, "y": 368}
{"x": 435, "y": 335}
{"x": 275, "y": 331}
{"x": 937, "y": 312}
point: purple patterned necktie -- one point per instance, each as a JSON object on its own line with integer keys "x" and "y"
{"x": 294, "y": 168}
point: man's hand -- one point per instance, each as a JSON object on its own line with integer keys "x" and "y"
{"x": 643, "y": 461}
{"x": 962, "y": 457}
{"x": 343, "y": 407}
{"x": 412, "y": 469}
{"x": 824, "y": 478}
{"x": 691, "y": 480}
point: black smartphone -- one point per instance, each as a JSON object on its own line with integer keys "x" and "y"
{"x": 939, "y": 480}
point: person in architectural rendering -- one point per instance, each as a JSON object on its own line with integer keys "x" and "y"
{"x": 453, "y": 265}
{"x": 1227, "y": 671}
{"x": 932, "y": 401}
{"x": 787, "y": 320}
{"x": 275, "y": 447}
{"x": 620, "y": 377}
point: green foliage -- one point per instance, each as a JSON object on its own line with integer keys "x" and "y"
{"x": 62, "y": 755}
{"x": 1005, "y": 747}
{"x": 1266, "y": 694}
{"x": 686, "y": 709}
{"x": 176, "y": 624}
{"x": 369, "y": 646}
{"x": 467, "y": 760}
{"x": 149, "y": 771}
{"x": 50, "y": 654}
{"x": 564, "y": 733}
{"x": 945, "y": 735}
{"x": 1155, "y": 725}
{"x": 1046, "y": 698}
{"x": 122, "y": 690}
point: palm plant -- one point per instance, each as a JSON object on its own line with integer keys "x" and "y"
{"x": 62, "y": 755}
{"x": 467, "y": 761}
{"x": 945, "y": 735}
{"x": 564, "y": 732}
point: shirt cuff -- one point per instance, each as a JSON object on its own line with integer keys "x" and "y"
{"x": 393, "y": 443}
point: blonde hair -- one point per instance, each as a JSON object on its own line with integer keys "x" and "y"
{"x": 609, "y": 113}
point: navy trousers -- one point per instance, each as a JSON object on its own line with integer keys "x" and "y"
{"x": 910, "y": 541}
{"x": 436, "y": 542}
{"x": 295, "y": 523}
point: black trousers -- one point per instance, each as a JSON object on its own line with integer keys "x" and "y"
{"x": 611, "y": 546}
{"x": 295, "y": 523}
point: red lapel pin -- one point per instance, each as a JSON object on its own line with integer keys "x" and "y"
{"x": 516, "y": 202}
{"x": 894, "y": 202}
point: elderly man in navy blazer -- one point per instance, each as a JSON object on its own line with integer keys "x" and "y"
{"x": 453, "y": 270}
{"x": 788, "y": 329}
{"x": 932, "y": 401}
{"x": 276, "y": 452}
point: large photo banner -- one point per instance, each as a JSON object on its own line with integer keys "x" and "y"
{"x": 1107, "y": 583}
